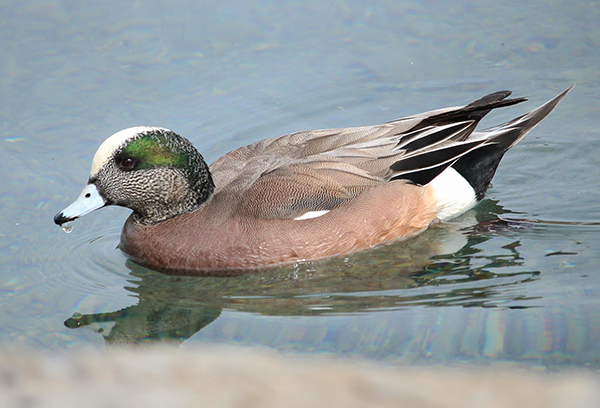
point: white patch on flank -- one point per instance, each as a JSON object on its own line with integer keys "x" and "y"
{"x": 111, "y": 144}
{"x": 311, "y": 214}
{"x": 454, "y": 194}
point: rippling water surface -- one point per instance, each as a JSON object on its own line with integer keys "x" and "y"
{"x": 514, "y": 279}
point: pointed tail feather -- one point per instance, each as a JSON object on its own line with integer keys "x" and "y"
{"x": 479, "y": 165}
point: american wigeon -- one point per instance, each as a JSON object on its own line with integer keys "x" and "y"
{"x": 301, "y": 196}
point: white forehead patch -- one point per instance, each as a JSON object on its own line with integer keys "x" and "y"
{"x": 108, "y": 147}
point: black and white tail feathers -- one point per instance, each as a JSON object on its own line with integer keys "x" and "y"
{"x": 478, "y": 166}
{"x": 449, "y": 139}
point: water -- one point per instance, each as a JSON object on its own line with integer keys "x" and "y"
{"x": 515, "y": 279}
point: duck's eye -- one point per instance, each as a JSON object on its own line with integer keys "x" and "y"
{"x": 127, "y": 163}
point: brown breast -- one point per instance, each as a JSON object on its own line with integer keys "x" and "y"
{"x": 216, "y": 239}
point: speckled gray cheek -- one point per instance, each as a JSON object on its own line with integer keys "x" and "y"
{"x": 153, "y": 194}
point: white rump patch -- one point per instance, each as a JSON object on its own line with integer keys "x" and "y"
{"x": 311, "y": 214}
{"x": 111, "y": 144}
{"x": 454, "y": 194}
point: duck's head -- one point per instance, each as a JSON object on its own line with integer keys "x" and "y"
{"x": 153, "y": 171}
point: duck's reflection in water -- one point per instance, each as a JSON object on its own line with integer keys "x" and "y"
{"x": 440, "y": 267}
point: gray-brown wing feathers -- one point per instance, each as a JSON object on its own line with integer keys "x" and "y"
{"x": 320, "y": 169}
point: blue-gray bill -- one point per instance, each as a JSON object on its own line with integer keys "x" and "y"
{"x": 88, "y": 201}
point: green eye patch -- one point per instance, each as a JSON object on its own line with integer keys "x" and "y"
{"x": 152, "y": 150}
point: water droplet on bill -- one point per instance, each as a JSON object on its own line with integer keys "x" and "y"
{"x": 67, "y": 228}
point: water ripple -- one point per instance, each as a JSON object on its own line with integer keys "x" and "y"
{"x": 94, "y": 259}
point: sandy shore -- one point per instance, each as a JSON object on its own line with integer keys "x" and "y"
{"x": 233, "y": 377}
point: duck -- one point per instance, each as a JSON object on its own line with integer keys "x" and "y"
{"x": 300, "y": 197}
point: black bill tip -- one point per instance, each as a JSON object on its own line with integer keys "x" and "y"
{"x": 60, "y": 219}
